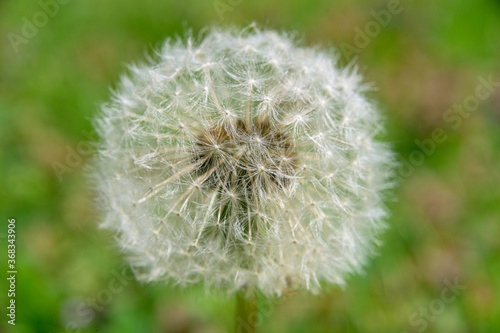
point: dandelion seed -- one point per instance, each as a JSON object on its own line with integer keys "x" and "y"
{"x": 243, "y": 160}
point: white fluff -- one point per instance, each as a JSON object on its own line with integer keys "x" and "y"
{"x": 292, "y": 206}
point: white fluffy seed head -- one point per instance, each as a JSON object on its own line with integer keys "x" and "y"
{"x": 242, "y": 160}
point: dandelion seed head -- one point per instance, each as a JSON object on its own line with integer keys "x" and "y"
{"x": 243, "y": 159}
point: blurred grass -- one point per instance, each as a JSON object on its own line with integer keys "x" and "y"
{"x": 445, "y": 219}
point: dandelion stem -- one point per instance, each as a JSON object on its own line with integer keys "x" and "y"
{"x": 246, "y": 311}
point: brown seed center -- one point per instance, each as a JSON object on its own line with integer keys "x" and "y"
{"x": 246, "y": 157}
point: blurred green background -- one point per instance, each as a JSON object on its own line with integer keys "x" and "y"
{"x": 445, "y": 223}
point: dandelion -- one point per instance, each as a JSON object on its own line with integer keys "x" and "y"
{"x": 243, "y": 161}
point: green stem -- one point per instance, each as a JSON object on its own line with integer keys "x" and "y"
{"x": 246, "y": 311}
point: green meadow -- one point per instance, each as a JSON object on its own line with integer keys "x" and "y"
{"x": 435, "y": 66}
